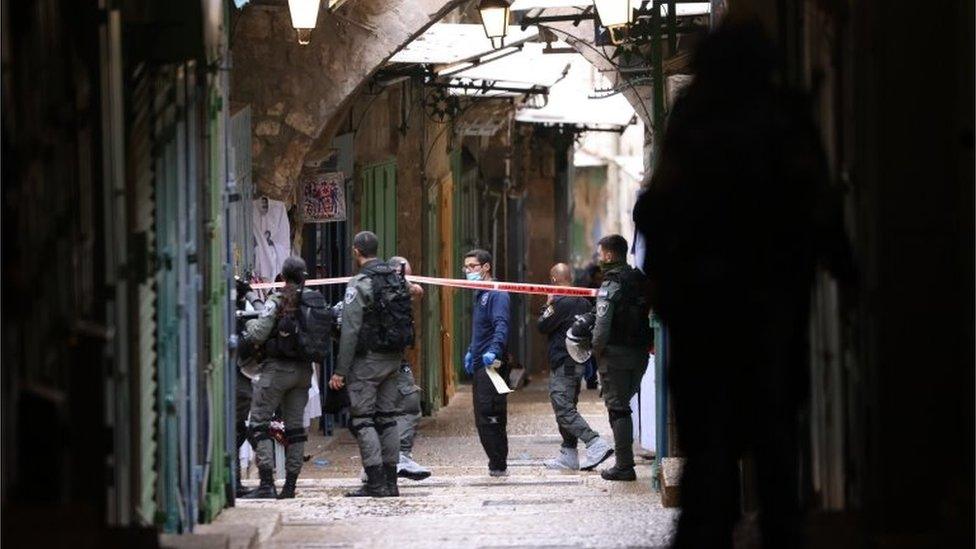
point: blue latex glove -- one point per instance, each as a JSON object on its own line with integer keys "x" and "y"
{"x": 488, "y": 358}
{"x": 469, "y": 363}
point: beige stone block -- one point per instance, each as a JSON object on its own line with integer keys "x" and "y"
{"x": 303, "y": 122}
{"x": 277, "y": 109}
{"x": 671, "y": 469}
{"x": 267, "y": 127}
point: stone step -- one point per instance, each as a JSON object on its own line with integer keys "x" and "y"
{"x": 194, "y": 541}
{"x": 671, "y": 481}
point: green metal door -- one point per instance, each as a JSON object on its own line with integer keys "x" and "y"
{"x": 167, "y": 343}
{"x": 218, "y": 478}
{"x": 465, "y": 228}
{"x": 432, "y": 380}
{"x": 379, "y": 205}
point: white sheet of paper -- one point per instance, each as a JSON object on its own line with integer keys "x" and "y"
{"x": 496, "y": 379}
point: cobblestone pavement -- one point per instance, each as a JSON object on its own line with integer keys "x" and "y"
{"x": 460, "y": 505}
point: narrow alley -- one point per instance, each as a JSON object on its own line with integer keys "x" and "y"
{"x": 248, "y": 245}
{"x": 460, "y": 505}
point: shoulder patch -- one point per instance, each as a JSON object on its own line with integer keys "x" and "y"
{"x": 350, "y": 294}
{"x": 602, "y": 293}
{"x": 601, "y": 308}
{"x": 484, "y": 299}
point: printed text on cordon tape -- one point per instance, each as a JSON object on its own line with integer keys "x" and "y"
{"x": 512, "y": 287}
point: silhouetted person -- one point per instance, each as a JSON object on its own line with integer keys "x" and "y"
{"x": 735, "y": 220}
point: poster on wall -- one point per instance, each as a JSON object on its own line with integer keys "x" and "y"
{"x": 325, "y": 197}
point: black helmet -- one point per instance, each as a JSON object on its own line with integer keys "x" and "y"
{"x": 579, "y": 338}
{"x": 583, "y": 326}
{"x": 294, "y": 270}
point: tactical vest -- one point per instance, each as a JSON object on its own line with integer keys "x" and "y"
{"x": 388, "y": 319}
{"x": 630, "y": 325}
{"x": 303, "y": 335}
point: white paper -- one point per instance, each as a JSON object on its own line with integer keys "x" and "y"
{"x": 496, "y": 379}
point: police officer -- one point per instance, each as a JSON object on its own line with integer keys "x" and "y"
{"x": 621, "y": 338}
{"x": 283, "y": 381}
{"x": 489, "y": 340}
{"x": 565, "y": 379}
{"x": 409, "y": 404}
{"x": 409, "y": 393}
{"x": 248, "y": 365}
{"x": 370, "y": 354}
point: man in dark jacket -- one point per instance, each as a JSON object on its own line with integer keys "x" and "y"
{"x": 564, "y": 379}
{"x": 737, "y": 216}
{"x": 489, "y": 337}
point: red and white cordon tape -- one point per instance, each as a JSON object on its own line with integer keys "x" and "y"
{"x": 511, "y": 287}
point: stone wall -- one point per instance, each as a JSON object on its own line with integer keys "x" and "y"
{"x": 295, "y": 90}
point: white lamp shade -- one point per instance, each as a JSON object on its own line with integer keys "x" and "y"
{"x": 614, "y": 13}
{"x": 304, "y": 13}
{"x": 494, "y": 17}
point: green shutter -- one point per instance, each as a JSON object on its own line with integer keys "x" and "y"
{"x": 379, "y": 210}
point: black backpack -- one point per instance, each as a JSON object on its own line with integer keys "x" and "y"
{"x": 308, "y": 330}
{"x": 315, "y": 323}
{"x": 388, "y": 320}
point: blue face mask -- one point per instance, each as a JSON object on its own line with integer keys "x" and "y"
{"x": 473, "y": 276}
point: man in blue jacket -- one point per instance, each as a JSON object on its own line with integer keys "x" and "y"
{"x": 489, "y": 337}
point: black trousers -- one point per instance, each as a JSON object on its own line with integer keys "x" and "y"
{"x": 727, "y": 403}
{"x": 491, "y": 418}
{"x": 242, "y": 405}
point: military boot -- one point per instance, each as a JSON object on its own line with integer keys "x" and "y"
{"x": 288, "y": 490}
{"x": 266, "y": 490}
{"x": 375, "y": 486}
{"x": 390, "y": 472}
{"x": 618, "y": 473}
{"x": 568, "y": 459}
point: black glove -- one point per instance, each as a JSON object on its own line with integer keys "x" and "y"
{"x": 243, "y": 286}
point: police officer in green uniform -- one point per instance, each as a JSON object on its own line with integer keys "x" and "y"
{"x": 371, "y": 346}
{"x": 282, "y": 381}
{"x": 621, "y": 338}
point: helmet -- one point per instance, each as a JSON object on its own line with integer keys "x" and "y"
{"x": 293, "y": 270}
{"x": 579, "y": 338}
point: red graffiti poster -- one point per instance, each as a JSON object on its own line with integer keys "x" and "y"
{"x": 325, "y": 197}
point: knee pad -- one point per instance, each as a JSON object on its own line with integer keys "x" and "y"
{"x": 295, "y": 435}
{"x": 616, "y": 414}
{"x": 385, "y": 420}
{"x": 358, "y": 423}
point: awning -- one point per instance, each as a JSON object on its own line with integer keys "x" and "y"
{"x": 528, "y": 66}
{"x": 569, "y": 103}
{"x": 684, "y": 9}
{"x": 445, "y": 43}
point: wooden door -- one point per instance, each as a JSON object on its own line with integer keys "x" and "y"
{"x": 446, "y": 219}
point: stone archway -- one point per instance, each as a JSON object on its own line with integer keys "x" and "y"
{"x": 295, "y": 90}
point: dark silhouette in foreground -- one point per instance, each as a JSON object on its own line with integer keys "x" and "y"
{"x": 736, "y": 218}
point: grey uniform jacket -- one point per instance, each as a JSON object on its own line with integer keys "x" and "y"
{"x": 607, "y": 301}
{"x": 258, "y": 330}
{"x": 359, "y": 295}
